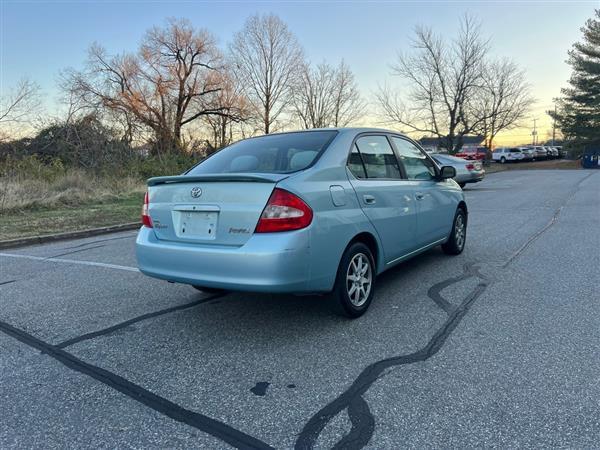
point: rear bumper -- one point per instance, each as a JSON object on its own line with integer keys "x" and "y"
{"x": 270, "y": 262}
{"x": 472, "y": 177}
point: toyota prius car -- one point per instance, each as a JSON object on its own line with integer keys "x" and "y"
{"x": 318, "y": 211}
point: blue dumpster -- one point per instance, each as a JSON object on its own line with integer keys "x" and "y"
{"x": 591, "y": 158}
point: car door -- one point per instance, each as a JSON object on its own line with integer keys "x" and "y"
{"x": 435, "y": 204}
{"x": 384, "y": 196}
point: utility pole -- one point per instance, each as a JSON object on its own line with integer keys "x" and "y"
{"x": 554, "y": 125}
{"x": 534, "y": 133}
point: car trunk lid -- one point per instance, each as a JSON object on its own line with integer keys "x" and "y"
{"x": 220, "y": 209}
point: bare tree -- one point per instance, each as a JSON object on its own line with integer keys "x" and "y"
{"x": 327, "y": 96}
{"x": 443, "y": 76}
{"x": 170, "y": 82}
{"x": 235, "y": 105}
{"x": 76, "y": 106}
{"x": 502, "y": 101}
{"x": 267, "y": 59}
{"x": 313, "y": 99}
{"x": 348, "y": 104}
{"x": 19, "y": 103}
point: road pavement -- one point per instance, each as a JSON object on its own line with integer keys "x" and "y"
{"x": 495, "y": 347}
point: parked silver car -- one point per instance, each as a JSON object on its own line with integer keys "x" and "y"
{"x": 528, "y": 153}
{"x": 466, "y": 171}
{"x": 314, "y": 211}
{"x": 540, "y": 152}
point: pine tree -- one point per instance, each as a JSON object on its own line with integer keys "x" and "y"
{"x": 578, "y": 114}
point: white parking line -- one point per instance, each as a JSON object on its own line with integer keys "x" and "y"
{"x": 71, "y": 261}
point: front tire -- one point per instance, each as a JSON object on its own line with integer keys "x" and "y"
{"x": 355, "y": 281}
{"x": 458, "y": 236}
{"x": 502, "y": 160}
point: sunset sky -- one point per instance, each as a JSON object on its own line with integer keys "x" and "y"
{"x": 39, "y": 38}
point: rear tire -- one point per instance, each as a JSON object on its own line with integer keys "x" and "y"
{"x": 355, "y": 281}
{"x": 502, "y": 160}
{"x": 209, "y": 290}
{"x": 458, "y": 236}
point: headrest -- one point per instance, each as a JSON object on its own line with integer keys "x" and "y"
{"x": 302, "y": 159}
{"x": 243, "y": 163}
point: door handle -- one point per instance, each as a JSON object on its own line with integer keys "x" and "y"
{"x": 419, "y": 195}
{"x": 369, "y": 199}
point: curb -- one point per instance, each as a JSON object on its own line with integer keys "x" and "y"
{"x": 23, "y": 242}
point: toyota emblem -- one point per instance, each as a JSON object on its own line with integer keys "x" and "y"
{"x": 196, "y": 192}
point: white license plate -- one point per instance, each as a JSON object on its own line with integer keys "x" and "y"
{"x": 197, "y": 224}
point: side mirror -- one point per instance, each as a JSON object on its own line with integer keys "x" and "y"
{"x": 447, "y": 172}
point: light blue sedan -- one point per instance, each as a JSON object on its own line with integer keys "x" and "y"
{"x": 314, "y": 211}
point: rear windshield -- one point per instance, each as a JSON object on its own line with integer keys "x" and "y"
{"x": 275, "y": 153}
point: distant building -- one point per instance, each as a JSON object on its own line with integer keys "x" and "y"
{"x": 434, "y": 144}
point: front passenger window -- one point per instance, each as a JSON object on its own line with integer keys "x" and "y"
{"x": 416, "y": 164}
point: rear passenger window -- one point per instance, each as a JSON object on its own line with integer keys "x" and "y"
{"x": 355, "y": 164}
{"x": 377, "y": 156}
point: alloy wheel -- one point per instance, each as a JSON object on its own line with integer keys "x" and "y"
{"x": 459, "y": 231}
{"x": 359, "y": 278}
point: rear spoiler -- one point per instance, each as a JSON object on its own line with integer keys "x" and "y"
{"x": 256, "y": 178}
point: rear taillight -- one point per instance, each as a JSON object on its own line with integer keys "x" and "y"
{"x": 146, "y": 220}
{"x": 470, "y": 167}
{"x": 284, "y": 212}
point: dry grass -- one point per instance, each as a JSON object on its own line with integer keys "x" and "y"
{"x": 60, "y": 219}
{"x": 535, "y": 165}
{"x": 70, "y": 200}
{"x": 18, "y": 193}
{"x": 40, "y": 196}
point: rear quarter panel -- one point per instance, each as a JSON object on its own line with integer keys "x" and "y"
{"x": 333, "y": 226}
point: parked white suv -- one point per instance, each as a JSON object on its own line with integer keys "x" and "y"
{"x": 505, "y": 154}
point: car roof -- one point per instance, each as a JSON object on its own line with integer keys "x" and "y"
{"x": 354, "y": 130}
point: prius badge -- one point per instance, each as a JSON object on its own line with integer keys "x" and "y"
{"x": 196, "y": 192}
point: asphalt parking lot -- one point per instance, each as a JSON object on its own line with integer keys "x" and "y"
{"x": 497, "y": 347}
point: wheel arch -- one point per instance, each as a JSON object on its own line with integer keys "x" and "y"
{"x": 370, "y": 241}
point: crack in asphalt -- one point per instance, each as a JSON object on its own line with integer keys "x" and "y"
{"x": 70, "y": 261}
{"x": 434, "y": 292}
{"x": 97, "y": 240}
{"x": 76, "y": 251}
{"x": 213, "y": 427}
{"x": 126, "y": 323}
{"x": 545, "y": 228}
{"x": 352, "y": 399}
{"x": 363, "y": 425}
